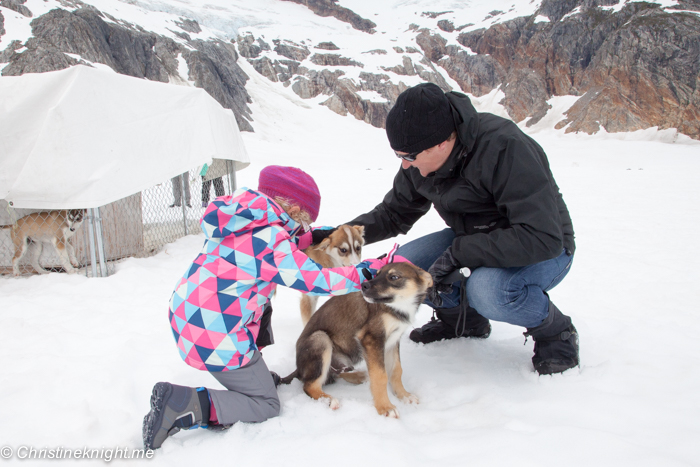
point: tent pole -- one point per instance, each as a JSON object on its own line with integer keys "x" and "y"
{"x": 100, "y": 242}
{"x": 183, "y": 200}
{"x": 91, "y": 243}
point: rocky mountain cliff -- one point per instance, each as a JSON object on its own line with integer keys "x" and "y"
{"x": 634, "y": 65}
{"x": 128, "y": 49}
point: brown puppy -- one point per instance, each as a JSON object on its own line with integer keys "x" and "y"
{"x": 54, "y": 227}
{"x": 342, "y": 248}
{"x": 363, "y": 325}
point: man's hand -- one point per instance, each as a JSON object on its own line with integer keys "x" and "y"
{"x": 445, "y": 265}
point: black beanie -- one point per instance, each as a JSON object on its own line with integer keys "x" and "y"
{"x": 420, "y": 119}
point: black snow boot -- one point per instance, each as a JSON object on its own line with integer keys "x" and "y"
{"x": 556, "y": 343}
{"x": 265, "y": 336}
{"x": 451, "y": 323}
{"x": 174, "y": 408}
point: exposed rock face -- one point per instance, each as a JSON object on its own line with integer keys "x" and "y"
{"x": 291, "y": 51}
{"x": 475, "y": 74}
{"x": 333, "y": 60}
{"x": 2, "y": 24}
{"x": 329, "y": 8}
{"x": 636, "y": 68}
{"x": 189, "y": 25}
{"x": 16, "y": 5}
{"x": 327, "y": 46}
{"x": 346, "y": 100}
{"x": 267, "y": 68}
{"x": 315, "y": 83}
{"x": 523, "y": 91}
{"x": 405, "y": 69}
{"x": 446, "y": 25}
{"x": 7, "y": 53}
{"x": 83, "y": 32}
{"x": 250, "y": 48}
{"x": 213, "y": 67}
{"x": 649, "y": 73}
{"x": 435, "y": 14}
{"x": 343, "y": 97}
{"x": 433, "y": 45}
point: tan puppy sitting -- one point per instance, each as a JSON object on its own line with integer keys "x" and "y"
{"x": 363, "y": 325}
{"x": 342, "y": 248}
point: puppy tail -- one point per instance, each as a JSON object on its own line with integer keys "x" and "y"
{"x": 290, "y": 378}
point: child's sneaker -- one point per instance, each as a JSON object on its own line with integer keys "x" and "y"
{"x": 174, "y": 408}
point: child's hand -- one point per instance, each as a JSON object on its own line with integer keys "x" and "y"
{"x": 375, "y": 264}
{"x": 305, "y": 240}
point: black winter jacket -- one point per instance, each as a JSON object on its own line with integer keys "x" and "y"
{"x": 496, "y": 191}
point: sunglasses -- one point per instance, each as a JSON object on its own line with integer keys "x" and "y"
{"x": 408, "y": 157}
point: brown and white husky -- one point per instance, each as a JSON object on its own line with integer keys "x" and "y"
{"x": 54, "y": 227}
{"x": 342, "y": 248}
{"x": 362, "y": 325}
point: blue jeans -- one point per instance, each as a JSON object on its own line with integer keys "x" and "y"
{"x": 512, "y": 295}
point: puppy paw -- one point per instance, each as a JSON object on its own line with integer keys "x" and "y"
{"x": 393, "y": 413}
{"x": 333, "y": 403}
{"x": 410, "y": 399}
{"x": 389, "y": 411}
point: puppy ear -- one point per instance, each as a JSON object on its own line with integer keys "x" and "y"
{"x": 360, "y": 229}
{"x": 323, "y": 245}
{"x": 427, "y": 278}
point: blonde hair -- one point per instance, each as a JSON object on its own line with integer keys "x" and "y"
{"x": 302, "y": 217}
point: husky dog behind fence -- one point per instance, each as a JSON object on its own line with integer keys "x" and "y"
{"x": 53, "y": 227}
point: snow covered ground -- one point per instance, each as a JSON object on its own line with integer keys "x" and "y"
{"x": 79, "y": 356}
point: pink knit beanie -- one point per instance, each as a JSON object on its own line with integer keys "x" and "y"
{"x": 292, "y": 184}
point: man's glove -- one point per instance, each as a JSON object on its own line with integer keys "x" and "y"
{"x": 445, "y": 265}
{"x": 321, "y": 234}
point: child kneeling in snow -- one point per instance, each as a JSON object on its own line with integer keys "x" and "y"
{"x": 219, "y": 311}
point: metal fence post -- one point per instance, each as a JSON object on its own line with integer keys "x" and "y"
{"x": 183, "y": 200}
{"x": 91, "y": 242}
{"x": 100, "y": 242}
{"x": 231, "y": 175}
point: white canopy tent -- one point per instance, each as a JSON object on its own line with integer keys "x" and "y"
{"x": 85, "y": 137}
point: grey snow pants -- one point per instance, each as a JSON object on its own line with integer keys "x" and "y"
{"x": 251, "y": 395}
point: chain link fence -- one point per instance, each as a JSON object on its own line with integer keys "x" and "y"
{"x": 92, "y": 241}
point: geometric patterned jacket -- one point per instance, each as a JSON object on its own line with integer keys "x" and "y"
{"x": 250, "y": 248}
